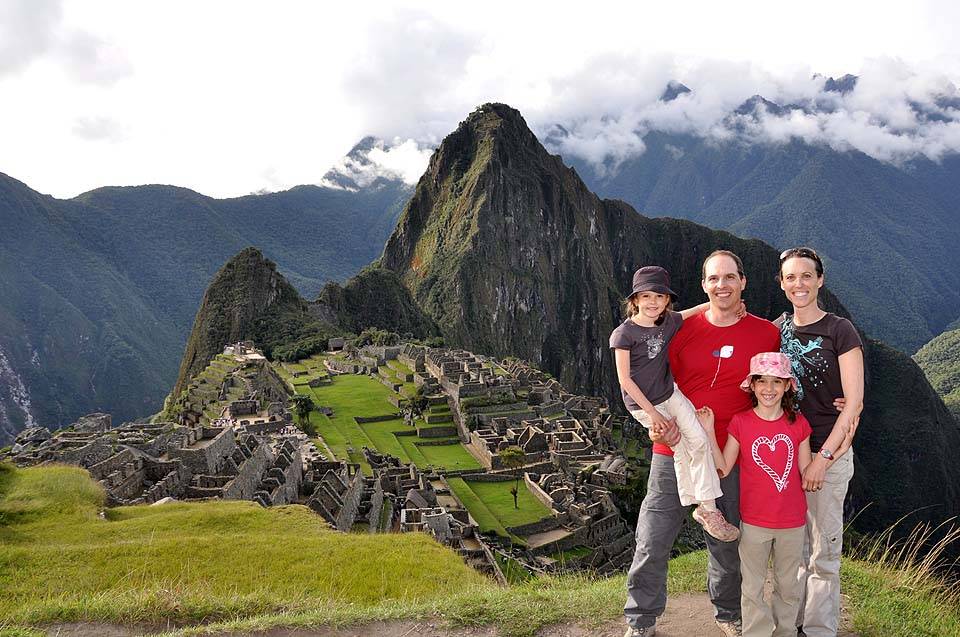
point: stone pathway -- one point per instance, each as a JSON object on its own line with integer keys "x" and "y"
{"x": 686, "y": 615}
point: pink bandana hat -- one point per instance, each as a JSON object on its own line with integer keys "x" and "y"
{"x": 769, "y": 364}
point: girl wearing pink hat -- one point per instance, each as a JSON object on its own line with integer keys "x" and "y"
{"x": 772, "y": 444}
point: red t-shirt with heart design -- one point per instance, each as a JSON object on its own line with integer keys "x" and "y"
{"x": 771, "y": 493}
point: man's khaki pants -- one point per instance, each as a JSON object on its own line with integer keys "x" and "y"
{"x": 820, "y": 570}
{"x": 757, "y": 545}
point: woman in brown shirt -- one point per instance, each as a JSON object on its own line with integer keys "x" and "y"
{"x": 826, "y": 355}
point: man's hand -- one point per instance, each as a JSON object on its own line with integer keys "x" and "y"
{"x": 669, "y": 435}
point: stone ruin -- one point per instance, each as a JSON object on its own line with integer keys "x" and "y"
{"x": 145, "y": 463}
{"x": 570, "y": 461}
{"x": 236, "y": 440}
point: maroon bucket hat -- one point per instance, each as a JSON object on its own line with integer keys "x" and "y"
{"x": 652, "y": 278}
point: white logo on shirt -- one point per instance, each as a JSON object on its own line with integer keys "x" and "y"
{"x": 655, "y": 345}
{"x": 780, "y": 481}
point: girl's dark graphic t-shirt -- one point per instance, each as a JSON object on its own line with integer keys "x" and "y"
{"x": 649, "y": 363}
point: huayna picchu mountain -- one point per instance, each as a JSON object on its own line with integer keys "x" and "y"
{"x": 246, "y": 300}
{"x": 509, "y": 253}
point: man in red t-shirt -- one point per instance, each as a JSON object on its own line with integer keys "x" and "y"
{"x": 709, "y": 358}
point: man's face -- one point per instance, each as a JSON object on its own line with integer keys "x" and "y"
{"x": 723, "y": 284}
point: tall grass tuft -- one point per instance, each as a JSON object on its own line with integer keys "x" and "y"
{"x": 906, "y": 585}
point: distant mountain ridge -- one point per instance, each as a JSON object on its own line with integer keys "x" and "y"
{"x": 940, "y": 361}
{"x": 98, "y": 293}
{"x": 884, "y": 230}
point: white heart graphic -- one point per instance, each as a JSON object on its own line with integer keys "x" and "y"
{"x": 780, "y": 481}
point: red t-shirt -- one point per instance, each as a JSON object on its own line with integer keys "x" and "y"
{"x": 710, "y": 362}
{"x": 771, "y": 493}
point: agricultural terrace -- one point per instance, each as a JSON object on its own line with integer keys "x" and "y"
{"x": 350, "y": 396}
{"x": 491, "y": 504}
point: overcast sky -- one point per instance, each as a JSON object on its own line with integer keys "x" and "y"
{"x": 228, "y": 98}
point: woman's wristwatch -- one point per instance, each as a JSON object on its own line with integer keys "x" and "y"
{"x": 826, "y": 453}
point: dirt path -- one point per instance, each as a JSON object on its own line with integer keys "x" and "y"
{"x": 686, "y": 615}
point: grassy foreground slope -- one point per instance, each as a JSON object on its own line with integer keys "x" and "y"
{"x": 235, "y": 566}
{"x": 60, "y": 561}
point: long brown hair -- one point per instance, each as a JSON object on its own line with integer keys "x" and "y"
{"x": 631, "y": 307}
{"x": 788, "y": 401}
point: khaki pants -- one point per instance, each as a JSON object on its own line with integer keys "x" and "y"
{"x": 820, "y": 571}
{"x": 697, "y": 477}
{"x": 757, "y": 544}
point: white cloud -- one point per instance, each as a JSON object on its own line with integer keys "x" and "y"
{"x": 881, "y": 117}
{"x": 32, "y": 30}
{"x": 89, "y": 59}
{"x": 231, "y": 97}
{"x": 27, "y": 31}
{"x": 405, "y": 160}
{"x": 98, "y": 129}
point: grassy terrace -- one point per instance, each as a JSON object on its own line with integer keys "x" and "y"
{"x": 189, "y": 561}
{"x": 491, "y": 504}
{"x": 350, "y": 396}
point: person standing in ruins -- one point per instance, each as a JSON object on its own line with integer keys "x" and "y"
{"x": 709, "y": 356}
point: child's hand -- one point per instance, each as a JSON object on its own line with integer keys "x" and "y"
{"x": 706, "y": 418}
{"x": 658, "y": 422}
{"x": 742, "y": 310}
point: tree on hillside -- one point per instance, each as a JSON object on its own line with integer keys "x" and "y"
{"x": 414, "y": 407}
{"x": 513, "y": 458}
{"x": 374, "y": 336}
{"x": 302, "y": 406}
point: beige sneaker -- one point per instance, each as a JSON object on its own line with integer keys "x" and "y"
{"x": 731, "y": 629}
{"x": 716, "y": 525}
{"x": 649, "y": 631}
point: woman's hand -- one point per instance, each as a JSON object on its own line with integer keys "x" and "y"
{"x": 742, "y": 310}
{"x": 670, "y": 435}
{"x": 706, "y": 418}
{"x": 814, "y": 474}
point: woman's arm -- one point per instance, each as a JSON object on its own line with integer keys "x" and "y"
{"x": 622, "y": 356}
{"x": 851, "y": 378}
{"x": 841, "y": 436}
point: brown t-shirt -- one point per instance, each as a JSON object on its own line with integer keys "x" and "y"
{"x": 649, "y": 363}
{"x": 813, "y": 350}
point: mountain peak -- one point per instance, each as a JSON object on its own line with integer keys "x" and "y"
{"x": 246, "y": 289}
{"x": 843, "y": 85}
{"x": 673, "y": 90}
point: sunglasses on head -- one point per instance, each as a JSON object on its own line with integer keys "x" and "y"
{"x": 805, "y": 253}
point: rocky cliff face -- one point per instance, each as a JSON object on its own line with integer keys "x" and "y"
{"x": 374, "y": 298}
{"x": 247, "y": 299}
{"x": 509, "y": 253}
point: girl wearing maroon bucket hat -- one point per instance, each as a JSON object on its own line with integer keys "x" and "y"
{"x": 652, "y": 398}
